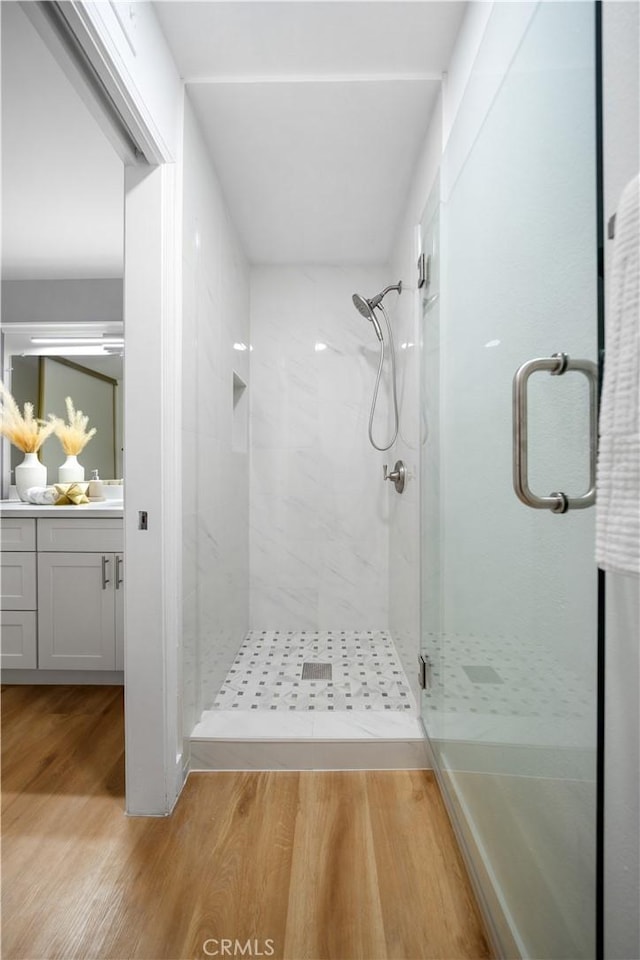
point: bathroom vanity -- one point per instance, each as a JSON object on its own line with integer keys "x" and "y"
{"x": 62, "y": 593}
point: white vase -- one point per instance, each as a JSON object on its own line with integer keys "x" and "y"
{"x": 30, "y": 473}
{"x": 71, "y": 471}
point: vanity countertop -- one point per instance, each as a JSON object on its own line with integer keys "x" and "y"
{"x": 88, "y": 511}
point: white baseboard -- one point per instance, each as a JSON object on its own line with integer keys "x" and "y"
{"x": 80, "y": 677}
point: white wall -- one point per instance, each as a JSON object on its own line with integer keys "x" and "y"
{"x": 62, "y": 181}
{"x": 462, "y": 62}
{"x": 152, "y": 318}
{"x": 62, "y": 301}
{"x": 621, "y": 32}
{"x": 318, "y": 500}
{"x": 215, "y": 478}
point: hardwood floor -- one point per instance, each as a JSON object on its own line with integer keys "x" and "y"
{"x": 301, "y": 865}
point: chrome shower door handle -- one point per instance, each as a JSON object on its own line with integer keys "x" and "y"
{"x": 556, "y": 365}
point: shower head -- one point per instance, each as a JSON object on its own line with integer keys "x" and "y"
{"x": 366, "y": 307}
{"x": 362, "y": 306}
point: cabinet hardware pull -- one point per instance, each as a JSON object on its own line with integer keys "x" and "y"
{"x": 105, "y": 579}
{"x": 119, "y": 566}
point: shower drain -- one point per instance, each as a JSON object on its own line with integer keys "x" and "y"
{"x": 316, "y": 671}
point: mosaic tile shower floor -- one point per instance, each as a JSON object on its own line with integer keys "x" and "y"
{"x": 503, "y": 676}
{"x": 267, "y": 673}
{"x": 500, "y": 690}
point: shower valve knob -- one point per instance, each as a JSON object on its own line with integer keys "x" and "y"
{"x": 397, "y": 476}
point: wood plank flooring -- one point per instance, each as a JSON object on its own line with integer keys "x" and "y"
{"x": 289, "y": 865}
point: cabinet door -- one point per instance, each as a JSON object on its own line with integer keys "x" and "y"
{"x": 18, "y": 580}
{"x": 76, "y": 616}
{"x": 119, "y": 592}
{"x": 18, "y": 640}
{"x": 18, "y": 533}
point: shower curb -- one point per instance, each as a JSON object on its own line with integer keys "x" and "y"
{"x": 308, "y": 754}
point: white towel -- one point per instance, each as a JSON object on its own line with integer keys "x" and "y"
{"x": 44, "y": 496}
{"x": 618, "y": 487}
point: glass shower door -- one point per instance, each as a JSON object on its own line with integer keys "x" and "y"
{"x": 509, "y": 619}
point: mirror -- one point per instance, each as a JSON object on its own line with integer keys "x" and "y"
{"x": 90, "y": 373}
{"x": 94, "y": 385}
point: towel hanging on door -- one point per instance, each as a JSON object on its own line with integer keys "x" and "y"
{"x": 618, "y": 484}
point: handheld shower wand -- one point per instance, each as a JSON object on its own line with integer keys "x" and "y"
{"x": 366, "y": 308}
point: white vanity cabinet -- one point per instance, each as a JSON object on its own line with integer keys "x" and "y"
{"x": 63, "y": 591}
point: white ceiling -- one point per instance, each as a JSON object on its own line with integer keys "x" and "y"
{"x": 314, "y": 114}
{"x": 320, "y": 171}
{"x": 227, "y": 38}
{"x": 62, "y": 182}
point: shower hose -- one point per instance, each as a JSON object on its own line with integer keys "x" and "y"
{"x": 393, "y": 386}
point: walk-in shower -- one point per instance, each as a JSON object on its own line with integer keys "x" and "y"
{"x": 319, "y": 664}
{"x": 366, "y": 307}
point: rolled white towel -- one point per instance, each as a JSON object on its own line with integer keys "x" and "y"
{"x": 618, "y": 486}
{"x": 45, "y": 496}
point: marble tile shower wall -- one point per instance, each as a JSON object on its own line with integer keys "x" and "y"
{"x": 319, "y": 506}
{"x": 215, "y": 478}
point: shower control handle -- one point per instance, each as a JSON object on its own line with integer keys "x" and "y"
{"x": 397, "y": 476}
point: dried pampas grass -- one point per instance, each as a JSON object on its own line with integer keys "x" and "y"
{"x": 73, "y": 435}
{"x": 23, "y": 430}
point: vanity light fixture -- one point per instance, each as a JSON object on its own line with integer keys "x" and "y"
{"x": 78, "y": 341}
{"x": 66, "y": 341}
